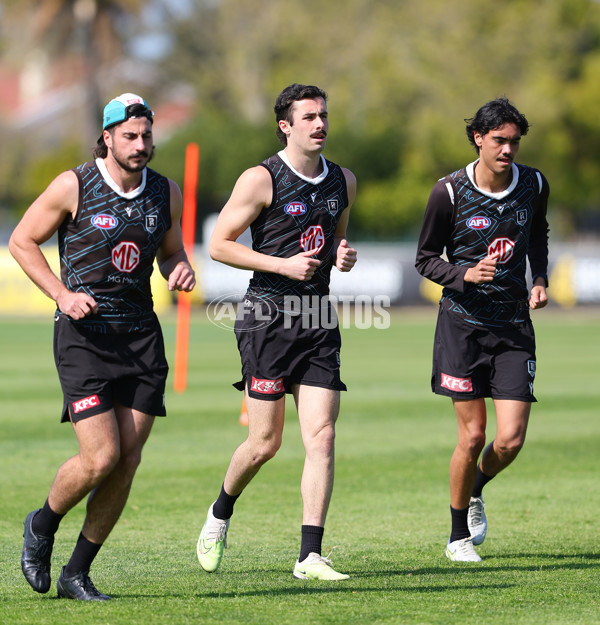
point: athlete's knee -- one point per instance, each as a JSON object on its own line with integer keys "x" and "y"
{"x": 509, "y": 448}
{"x": 100, "y": 464}
{"x": 130, "y": 460}
{"x": 263, "y": 450}
{"x": 472, "y": 443}
{"x": 322, "y": 441}
{"x": 260, "y": 455}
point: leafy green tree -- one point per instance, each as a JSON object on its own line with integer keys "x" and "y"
{"x": 48, "y": 35}
{"x": 402, "y": 77}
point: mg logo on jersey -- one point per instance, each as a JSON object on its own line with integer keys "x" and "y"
{"x": 84, "y": 404}
{"x": 460, "y": 385}
{"x": 126, "y": 256}
{"x": 502, "y": 248}
{"x": 106, "y": 222}
{"x": 479, "y": 222}
{"x": 295, "y": 208}
{"x": 267, "y": 387}
{"x": 313, "y": 239}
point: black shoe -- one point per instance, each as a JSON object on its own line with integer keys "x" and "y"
{"x": 80, "y": 586}
{"x": 35, "y": 559}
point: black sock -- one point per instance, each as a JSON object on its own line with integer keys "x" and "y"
{"x": 481, "y": 479}
{"x": 312, "y": 537}
{"x": 460, "y": 527}
{"x": 223, "y": 507}
{"x": 83, "y": 555}
{"x": 46, "y": 521}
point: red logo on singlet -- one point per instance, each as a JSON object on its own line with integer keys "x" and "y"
{"x": 84, "y": 404}
{"x": 479, "y": 222}
{"x": 313, "y": 238}
{"x": 295, "y": 208}
{"x": 126, "y": 256}
{"x": 106, "y": 222}
{"x": 460, "y": 385}
{"x": 267, "y": 387}
{"x": 502, "y": 248}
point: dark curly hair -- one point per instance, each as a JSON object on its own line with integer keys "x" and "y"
{"x": 492, "y": 115}
{"x": 285, "y": 100}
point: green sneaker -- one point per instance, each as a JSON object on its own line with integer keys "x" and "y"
{"x": 212, "y": 541}
{"x": 315, "y": 566}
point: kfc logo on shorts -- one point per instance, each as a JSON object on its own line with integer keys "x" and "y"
{"x": 313, "y": 239}
{"x": 460, "y": 385}
{"x": 84, "y": 404}
{"x": 502, "y": 248}
{"x": 267, "y": 387}
{"x": 126, "y": 256}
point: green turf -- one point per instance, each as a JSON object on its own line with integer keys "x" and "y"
{"x": 389, "y": 517}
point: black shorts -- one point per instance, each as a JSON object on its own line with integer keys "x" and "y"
{"x": 285, "y": 351}
{"x": 471, "y": 361}
{"x": 97, "y": 369}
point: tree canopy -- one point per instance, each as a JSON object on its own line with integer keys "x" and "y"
{"x": 401, "y": 79}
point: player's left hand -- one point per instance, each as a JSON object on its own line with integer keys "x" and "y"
{"x": 182, "y": 278}
{"x": 538, "y": 298}
{"x": 345, "y": 257}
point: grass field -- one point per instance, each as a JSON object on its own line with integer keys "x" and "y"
{"x": 389, "y": 517}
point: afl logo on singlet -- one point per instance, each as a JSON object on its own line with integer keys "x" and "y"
{"x": 479, "y": 222}
{"x": 295, "y": 208}
{"x": 106, "y": 222}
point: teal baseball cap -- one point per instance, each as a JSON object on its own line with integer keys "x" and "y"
{"x": 119, "y": 109}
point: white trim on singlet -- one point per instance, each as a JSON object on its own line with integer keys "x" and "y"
{"x": 450, "y": 192}
{"x": 131, "y": 195}
{"x": 495, "y": 196}
{"x": 316, "y": 180}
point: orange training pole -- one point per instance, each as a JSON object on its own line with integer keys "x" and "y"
{"x": 243, "y": 412}
{"x": 184, "y": 300}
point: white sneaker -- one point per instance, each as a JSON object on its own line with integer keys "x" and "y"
{"x": 315, "y": 566}
{"x": 212, "y": 541}
{"x": 476, "y": 520}
{"x": 462, "y": 551}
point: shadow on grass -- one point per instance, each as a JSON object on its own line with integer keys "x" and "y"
{"x": 405, "y": 580}
{"x": 518, "y": 562}
{"x": 306, "y": 589}
{"x": 548, "y": 556}
{"x": 337, "y": 588}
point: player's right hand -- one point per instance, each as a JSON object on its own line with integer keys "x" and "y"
{"x": 77, "y": 305}
{"x": 301, "y": 266}
{"x": 484, "y": 270}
